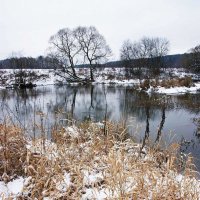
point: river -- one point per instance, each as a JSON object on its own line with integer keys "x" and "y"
{"x": 158, "y": 118}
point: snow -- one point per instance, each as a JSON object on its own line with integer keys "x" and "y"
{"x": 179, "y": 177}
{"x": 2, "y": 87}
{"x": 93, "y": 193}
{"x": 91, "y": 177}
{"x": 51, "y": 78}
{"x": 65, "y": 183}
{"x": 72, "y": 131}
{"x": 12, "y": 188}
{"x": 115, "y": 76}
{"x": 99, "y": 124}
{"x": 150, "y": 90}
{"x": 178, "y": 90}
{"x": 101, "y": 80}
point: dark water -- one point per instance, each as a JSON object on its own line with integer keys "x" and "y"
{"x": 166, "y": 119}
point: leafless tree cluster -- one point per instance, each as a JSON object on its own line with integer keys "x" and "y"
{"x": 195, "y": 58}
{"x": 145, "y": 53}
{"x": 82, "y": 45}
{"x": 191, "y": 59}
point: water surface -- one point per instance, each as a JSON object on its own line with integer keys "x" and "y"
{"x": 165, "y": 119}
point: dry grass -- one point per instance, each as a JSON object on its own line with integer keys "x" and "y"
{"x": 175, "y": 82}
{"x": 12, "y": 152}
{"x": 91, "y": 161}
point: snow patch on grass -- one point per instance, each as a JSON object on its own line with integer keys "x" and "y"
{"x": 178, "y": 90}
{"x": 12, "y": 188}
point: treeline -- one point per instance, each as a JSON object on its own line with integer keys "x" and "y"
{"x": 26, "y": 63}
{"x": 169, "y": 61}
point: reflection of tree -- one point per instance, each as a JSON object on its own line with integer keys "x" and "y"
{"x": 91, "y": 107}
{"x": 185, "y": 145}
{"x": 91, "y": 96}
{"x": 146, "y": 107}
{"x": 134, "y": 103}
{"x": 106, "y": 111}
{"x": 81, "y": 102}
{"x": 159, "y": 103}
{"x": 197, "y": 123}
{"x": 92, "y": 102}
{"x": 20, "y": 106}
{"x": 190, "y": 102}
{"x": 147, "y": 131}
{"x": 159, "y": 133}
{"x": 192, "y": 145}
{"x": 73, "y": 103}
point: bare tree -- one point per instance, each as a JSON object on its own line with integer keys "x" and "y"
{"x": 64, "y": 53}
{"x": 132, "y": 56}
{"x": 147, "y": 52}
{"x": 195, "y": 58}
{"x": 93, "y": 47}
{"x": 191, "y": 59}
{"x": 83, "y": 45}
{"x": 19, "y": 64}
{"x": 155, "y": 50}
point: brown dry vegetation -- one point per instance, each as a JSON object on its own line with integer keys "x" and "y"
{"x": 174, "y": 82}
{"x": 119, "y": 168}
{"x": 12, "y": 152}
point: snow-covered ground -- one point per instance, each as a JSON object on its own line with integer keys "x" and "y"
{"x": 12, "y": 188}
{"x": 179, "y": 90}
{"x": 105, "y": 76}
{"x": 7, "y": 78}
{"x": 175, "y": 90}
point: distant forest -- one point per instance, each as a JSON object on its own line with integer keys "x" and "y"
{"x": 169, "y": 61}
{"x": 26, "y": 63}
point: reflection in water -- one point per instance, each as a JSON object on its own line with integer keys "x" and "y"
{"x": 161, "y": 126}
{"x": 156, "y": 115}
{"x": 146, "y": 134}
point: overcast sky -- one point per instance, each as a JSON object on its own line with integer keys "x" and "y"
{"x": 26, "y": 25}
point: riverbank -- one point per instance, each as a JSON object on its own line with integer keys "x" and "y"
{"x": 171, "y": 86}
{"x": 176, "y": 90}
{"x": 91, "y": 161}
{"x": 108, "y": 76}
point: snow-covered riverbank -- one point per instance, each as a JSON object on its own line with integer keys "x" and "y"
{"x": 90, "y": 162}
{"x": 107, "y": 76}
{"x": 175, "y": 90}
